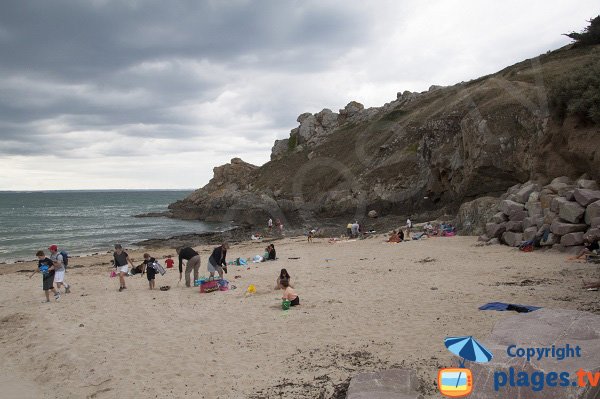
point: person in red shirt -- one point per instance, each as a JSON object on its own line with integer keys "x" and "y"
{"x": 169, "y": 262}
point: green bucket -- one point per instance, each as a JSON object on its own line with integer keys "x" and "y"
{"x": 285, "y": 305}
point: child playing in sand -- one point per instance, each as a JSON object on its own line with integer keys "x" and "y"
{"x": 289, "y": 294}
{"x": 169, "y": 262}
{"x": 46, "y": 267}
{"x": 283, "y": 275}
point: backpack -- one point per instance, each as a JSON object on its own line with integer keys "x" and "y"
{"x": 65, "y": 256}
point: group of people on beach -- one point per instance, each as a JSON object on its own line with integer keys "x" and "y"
{"x": 53, "y": 269}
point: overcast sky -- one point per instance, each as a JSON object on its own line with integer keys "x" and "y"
{"x": 154, "y": 94}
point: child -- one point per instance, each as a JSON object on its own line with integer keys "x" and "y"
{"x": 46, "y": 267}
{"x": 283, "y": 275}
{"x": 149, "y": 269}
{"x": 311, "y": 233}
{"x": 289, "y": 294}
{"x": 169, "y": 262}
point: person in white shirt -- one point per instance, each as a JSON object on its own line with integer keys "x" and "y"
{"x": 408, "y": 228}
{"x": 59, "y": 269}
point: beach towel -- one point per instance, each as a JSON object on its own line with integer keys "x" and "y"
{"x": 417, "y": 236}
{"x": 501, "y": 306}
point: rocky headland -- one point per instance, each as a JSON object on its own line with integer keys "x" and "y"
{"x": 421, "y": 155}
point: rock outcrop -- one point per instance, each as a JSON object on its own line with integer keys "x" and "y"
{"x": 548, "y": 214}
{"x": 424, "y": 154}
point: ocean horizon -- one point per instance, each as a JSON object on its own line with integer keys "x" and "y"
{"x": 85, "y": 222}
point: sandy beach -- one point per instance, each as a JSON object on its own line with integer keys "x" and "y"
{"x": 365, "y": 305}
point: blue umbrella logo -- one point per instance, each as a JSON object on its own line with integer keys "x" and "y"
{"x": 468, "y": 349}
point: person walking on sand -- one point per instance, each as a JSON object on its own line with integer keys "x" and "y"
{"x": 147, "y": 266}
{"x": 270, "y": 224}
{"x": 59, "y": 269}
{"x": 217, "y": 259}
{"x": 46, "y": 267}
{"x": 122, "y": 263}
{"x": 192, "y": 259}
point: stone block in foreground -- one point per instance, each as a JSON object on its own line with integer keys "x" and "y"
{"x": 387, "y": 384}
{"x": 542, "y": 328}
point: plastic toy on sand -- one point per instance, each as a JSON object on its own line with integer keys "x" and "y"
{"x": 251, "y": 289}
{"x": 285, "y": 305}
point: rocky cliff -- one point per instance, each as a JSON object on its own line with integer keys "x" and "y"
{"x": 422, "y": 154}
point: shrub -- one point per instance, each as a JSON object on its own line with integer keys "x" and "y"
{"x": 579, "y": 94}
{"x": 292, "y": 142}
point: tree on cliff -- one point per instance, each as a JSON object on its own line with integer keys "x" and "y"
{"x": 590, "y": 35}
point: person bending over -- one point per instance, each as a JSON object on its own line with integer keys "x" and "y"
{"x": 192, "y": 259}
{"x": 217, "y": 262}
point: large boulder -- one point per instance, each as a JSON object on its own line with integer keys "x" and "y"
{"x": 585, "y": 197}
{"x": 592, "y": 211}
{"x": 534, "y": 209}
{"x": 512, "y": 239}
{"x": 509, "y": 207}
{"x": 518, "y": 216}
{"x": 571, "y": 211}
{"x": 561, "y": 227}
{"x": 595, "y": 222}
{"x": 499, "y": 217}
{"x": 495, "y": 230}
{"x": 593, "y": 233}
{"x": 544, "y": 328}
{"x": 571, "y": 239}
{"x": 587, "y": 184}
{"x": 514, "y": 226}
{"x": 386, "y": 384}
{"x": 522, "y": 195}
{"x": 472, "y": 216}
{"x": 530, "y": 233}
{"x": 556, "y": 202}
{"x": 529, "y": 222}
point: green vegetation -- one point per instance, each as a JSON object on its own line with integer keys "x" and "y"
{"x": 412, "y": 148}
{"x": 394, "y": 115}
{"x": 292, "y": 142}
{"x": 589, "y": 36}
{"x": 579, "y": 95}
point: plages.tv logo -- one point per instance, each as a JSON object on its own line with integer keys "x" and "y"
{"x": 457, "y": 382}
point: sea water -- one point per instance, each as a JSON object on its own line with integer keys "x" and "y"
{"x": 86, "y": 222}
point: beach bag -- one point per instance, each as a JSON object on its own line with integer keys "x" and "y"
{"x": 209, "y": 286}
{"x": 527, "y": 246}
{"x": 159, "y": 268}
{"x": 223, "y": 284}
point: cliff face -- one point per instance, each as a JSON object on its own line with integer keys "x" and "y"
{"x": 421, "y": 154}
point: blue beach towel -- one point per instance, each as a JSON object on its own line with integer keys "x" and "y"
{"x": 501, "y": 306}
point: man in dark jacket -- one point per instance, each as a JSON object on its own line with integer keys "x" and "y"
{"x": 193, "y": 262}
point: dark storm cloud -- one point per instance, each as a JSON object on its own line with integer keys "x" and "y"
{"x": 111, "y": 63}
